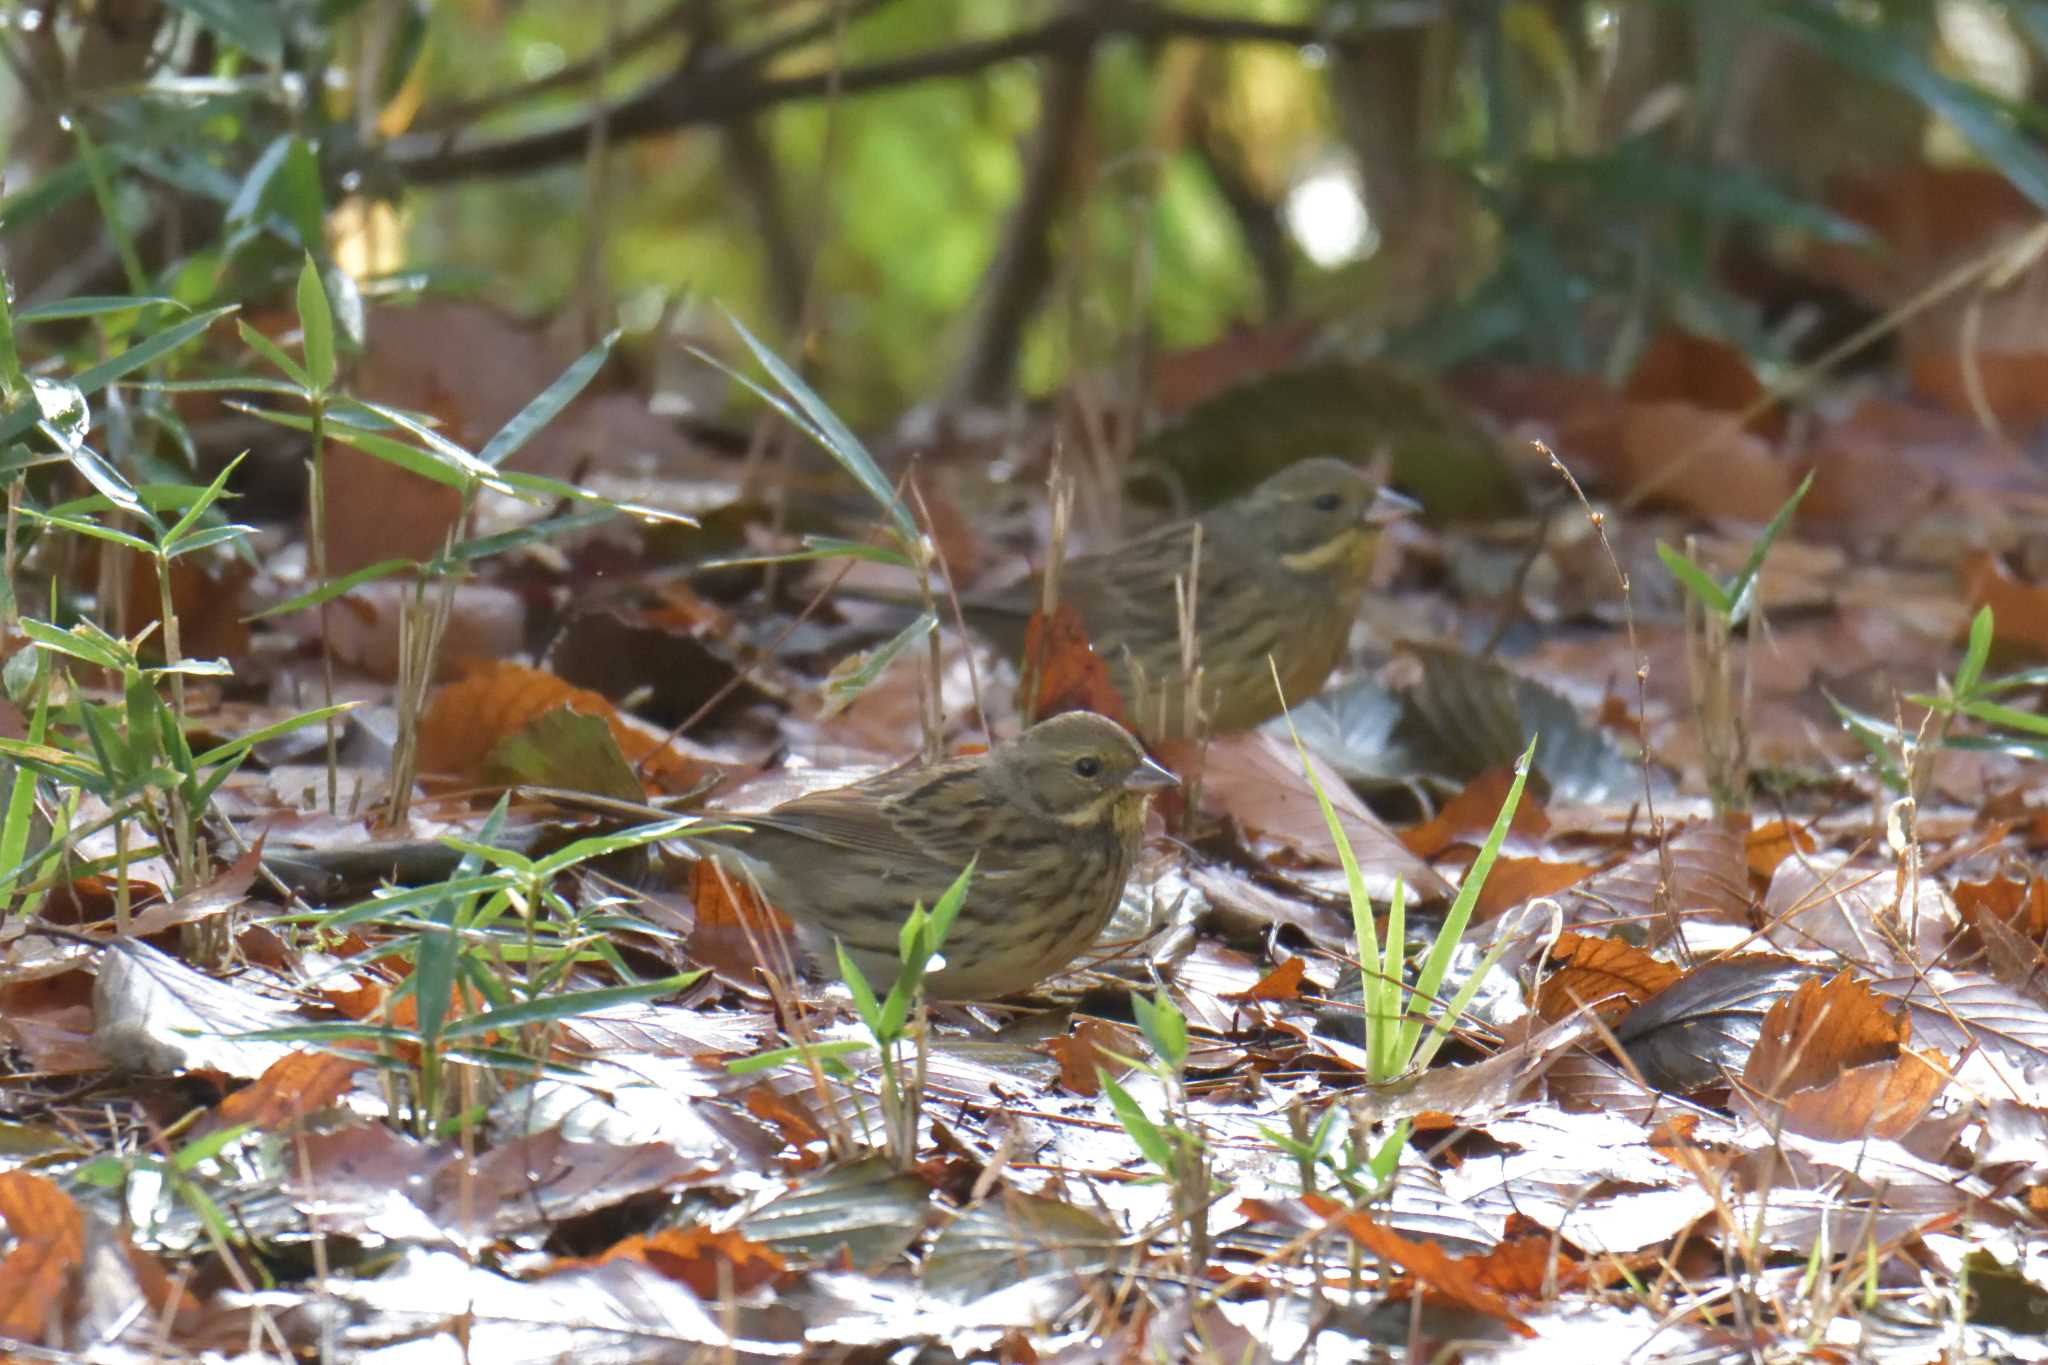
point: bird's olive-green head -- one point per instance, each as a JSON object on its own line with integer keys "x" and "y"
{"x": 1073, "y": 767}
{"x": 1320, "y": 514}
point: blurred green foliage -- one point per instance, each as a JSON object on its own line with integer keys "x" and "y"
{"x": 1550, "y": 178}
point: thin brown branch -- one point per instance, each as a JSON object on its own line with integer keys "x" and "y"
{"x": 710, "y": 95}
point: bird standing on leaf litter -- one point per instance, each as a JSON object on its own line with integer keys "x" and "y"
{"x": 1054, "y": 819}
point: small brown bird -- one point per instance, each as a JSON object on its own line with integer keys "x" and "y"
{"x": 1283, "y": 570}
{"x": 1054, "y": 817}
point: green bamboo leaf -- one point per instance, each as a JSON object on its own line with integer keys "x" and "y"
{"x": 824, "y": 427}
{"x": 1742, "y": 588}
{"x": 1145, "y": 1133}
{"x": 547, "y": 404}
{"x": 1702, "y": 585}
{"x": 316, "y": 327}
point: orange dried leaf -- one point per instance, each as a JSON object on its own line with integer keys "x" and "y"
{"x": 468, "y": 719}
{"x": 1882, "y": 1100}
{"x": 1441, "y": 1275}
{"x": 1610, "y": 975}
{"x": 1700, "y": 461}
{"x": 2022, "y": 905}
{"x": 1768, "y": 845}
{"x": 1683, "y": 367}
{"x": 786, "y": 1114}
{"x": 1282, "y": 983}
{"x": 717, "y": 1265}
{"x": 1467, "y": 817}
{"x": 733, "y": 922}
{"x": 294, "y": 1086}
{"x": 37, "y": 1275}
{"x": 1836, "y": 1060}
{"x": 1517, "y": 881}
{"x": 2020, "y": 608}
{"x": 1070, "y": 675}
{"x": 1819, "y": 1031}
{"x": 1085, "y": 1050}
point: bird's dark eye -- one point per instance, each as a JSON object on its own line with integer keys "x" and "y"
{"x": 1087, "y": 766}
{"x": 1327, "y": 502}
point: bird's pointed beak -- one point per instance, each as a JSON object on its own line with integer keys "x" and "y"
{"x": 1150, "y": 777}
{"x": 1388, "y": 507}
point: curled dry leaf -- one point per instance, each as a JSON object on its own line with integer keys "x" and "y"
{"x": 2020, "y": 608}
{"x": 1517, "y": 881}
{"x": 1282, "y": 983}
{"x": 733, "y": 922}
{"x": 2022, "y": 905}
{"x": 1836, "y": 1061}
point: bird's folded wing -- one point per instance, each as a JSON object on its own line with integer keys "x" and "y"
{"x": 851, "y": 824}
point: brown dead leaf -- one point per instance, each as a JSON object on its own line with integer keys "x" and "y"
{"x": 1517, "y": 881}
{"x": 789, "y": 1117}
{"x": 1451, "y": 1279}
{"x": 1065, "y": 672}
{"x": 37, "y": 1273}
{"x": 1608, "y": 975}
{"x": 1684, "y": 367}
{"x": 717, "y": 1265}
{"x": 1256, "y": 779}
{"x": 467, "y": 720}
{"x": 2021, "y": 608}
{"x": 1768, "y": 845}
{"x": 1836, "y": 1060}
{"x": 1282, "y": 983}
{"x": 1529, "y": 1263}
{"x": 293, "y": 1087}
{"x": 2023, "y": 905}
{"x": 206, "y": 595}
{"x": 50, "y": 1019}
{"x": 1468, "y": 816}
{"x": 1085, "y": 1051}
{"x": 732, "y": 920}
{"x": 93, "y": 899}
{"x": 2012, "y": 383}
{"x": 1698, "y": 460}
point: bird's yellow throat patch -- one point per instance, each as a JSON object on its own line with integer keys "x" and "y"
{"x": 1349, "y": 545}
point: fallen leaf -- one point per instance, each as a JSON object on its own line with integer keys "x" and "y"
{"x": 467, "y": 720}
{"x": 2020, "y": 609}
{"x": 1282, "y": 983}
{"x": 1063, "y": 669}
{"x": 1768, "y": 845}
{"x": 293, "y": 1088}
{"x": 1836, "y": 1061}
{"x": 1609, "y": 975}
{"x": 1085, "y": 1051}
{"x": 1517, "y": 881}
{"x": 1468, "y": 816}
{"x": 1441, "y": 1275}
{"x": 36, "y": 1275}
{"x": 718, "y": 1265}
